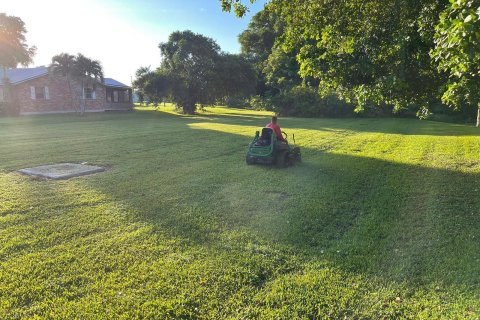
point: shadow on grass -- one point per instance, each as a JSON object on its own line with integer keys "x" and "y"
{"x": 181, "y": 206}
{"x": 368, "y": 216}
{"x": 384, "y": 125}
{"x": 401, "y": 222}
{"x": 375, "y": 125}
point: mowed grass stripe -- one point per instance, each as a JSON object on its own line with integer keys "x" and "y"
{"x": 379, "y": 221}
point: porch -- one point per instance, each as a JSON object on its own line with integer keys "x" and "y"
{"x": 118, "y": 96}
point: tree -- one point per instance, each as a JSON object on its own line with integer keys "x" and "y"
{"x": 13, "y": 47}
{"x": 88, "y": 72}
{"x": 194, "y": 71}
{"x": 238, "y": 6}
{"x": 235, "y": 77}
{"x": 281, "y": 70}
{"x": 189, "y": 62}
{"x": 257, "y": 43}
{"x": 152, "y": 85}
{"x": 139, "y": 82}
{"x": 373, "y": 51}
{"x": 366, "y": 51}
{"x": 155, "y": 86}
{"x": 63, "y": 64}
{"x": 80, "y": 68}
{"x": 457, "y": 51}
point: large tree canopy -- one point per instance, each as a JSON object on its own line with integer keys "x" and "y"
{"x": 366, "y": 51}
{"x": 457, "y": 52}
{"x": 13, "y": 47}
{"x": 235, "y": 76}
{"x": 195, "y": 71}
{"x": 259, "y": 38}
{"x": 190, "y": 59}
{"x": 369, "y": 50}
{"x": 276, "y": 69}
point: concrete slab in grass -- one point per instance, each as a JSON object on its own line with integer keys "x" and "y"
{"x": 62, "y": 170}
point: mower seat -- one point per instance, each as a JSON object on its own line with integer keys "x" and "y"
{"x": 266, "y": 137}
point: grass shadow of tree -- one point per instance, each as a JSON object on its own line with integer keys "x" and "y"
{"x": 184, "y": 182}
{"x": 365, "y": 215}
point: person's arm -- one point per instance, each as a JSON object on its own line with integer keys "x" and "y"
{"x": 279, "y": 134}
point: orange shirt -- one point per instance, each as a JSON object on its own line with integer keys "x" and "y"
{"x": 277, "y": 130}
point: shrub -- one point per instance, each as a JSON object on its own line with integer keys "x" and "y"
{"x": 307, "y": 102}
{"x": 424, "y": 113}
{"x": 255, "y": 103}
{"x": 237, "y": 102}
{"x": 260, "y": 103}
{"x": 371, "y": 109}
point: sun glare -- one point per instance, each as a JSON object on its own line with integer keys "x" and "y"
{"x": 87, "y": 27}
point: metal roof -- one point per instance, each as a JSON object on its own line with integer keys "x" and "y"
{"x": 23, "y": 74}
{"x": 109, "y": 82}
{"x": 20, "y": 75}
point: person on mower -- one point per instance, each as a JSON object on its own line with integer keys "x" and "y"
{"x": 281, "y": 142}
{"x": 276, "y": 128}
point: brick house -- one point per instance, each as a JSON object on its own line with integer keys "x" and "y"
{"x": 37, "y": 92}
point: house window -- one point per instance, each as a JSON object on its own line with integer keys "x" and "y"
{"x": 88, "y": 93}
{"x": 39, "y": 93}
{"x": 115, "y": 96}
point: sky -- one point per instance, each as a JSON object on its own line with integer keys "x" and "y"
{"x": 122, "y": 34}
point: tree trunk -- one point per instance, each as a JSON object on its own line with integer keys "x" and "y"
{"x": 189, "y": 108}
{"x": 82, "y": 100}
{"x": 74, "y": 101}
{"x": 478, "y": 116}
{"x": 6, "y": 94}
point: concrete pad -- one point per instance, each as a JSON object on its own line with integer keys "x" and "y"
{"x": 62, "y": 170}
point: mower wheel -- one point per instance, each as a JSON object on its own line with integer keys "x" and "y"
{"x": 248, "y": 160}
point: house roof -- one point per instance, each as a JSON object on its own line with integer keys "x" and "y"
{"x": 19, "y": 75}
{"x": 109, "y": 82}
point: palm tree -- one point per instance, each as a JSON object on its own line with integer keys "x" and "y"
{"x": 63, "y": 64}
{"x": 88, "y": 71}
{"x": 80, "y": 68}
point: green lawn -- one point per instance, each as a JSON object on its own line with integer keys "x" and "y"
{"x": 380, "y": 221}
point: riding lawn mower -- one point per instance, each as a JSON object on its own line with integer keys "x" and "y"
{"x": 265, "y": 148}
